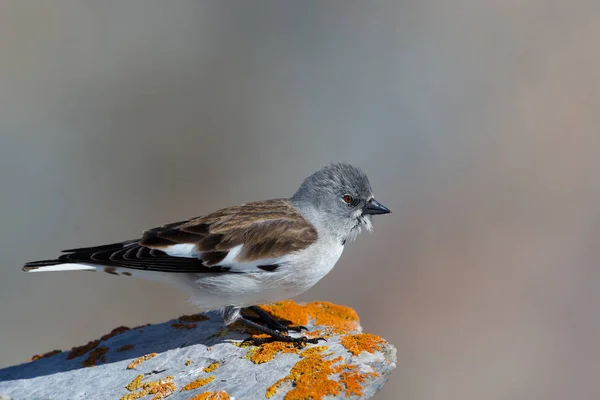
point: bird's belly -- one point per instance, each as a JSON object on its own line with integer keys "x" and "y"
{"x": 293, "y": 277}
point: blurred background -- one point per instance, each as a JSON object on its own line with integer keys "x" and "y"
{"x": 477, "y": 122}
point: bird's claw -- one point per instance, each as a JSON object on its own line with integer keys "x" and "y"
{"x": 298, "y": 328}
{"x": 298, "y": 341}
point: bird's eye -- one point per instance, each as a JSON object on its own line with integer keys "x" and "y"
{"x": 348, "y": 199}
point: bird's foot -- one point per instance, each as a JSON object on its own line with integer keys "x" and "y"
{"x": 273, "y": 323}
{"x": 275, "y": 335}
{"x": 298, "y": 341}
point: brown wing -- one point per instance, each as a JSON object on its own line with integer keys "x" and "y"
{"x": 266, "y": 229}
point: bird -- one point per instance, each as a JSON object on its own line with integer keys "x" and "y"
{"x": 235, "y": 258}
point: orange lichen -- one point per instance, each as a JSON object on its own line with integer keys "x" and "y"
{"x": 238, "y": 326}
{"x": 312, "y": 350}
{"x": 135, "y": 363}
{"x": 211, "y": 367}
{"x": 319, "y": 333}
{"x": 184, "y": 326}
{"x": 310, "y": 377}
{"x": 353, "y": 379}
{"x": 193, "y": 318}
{"x": 337, "y": 318}
{"x": 160, "y": 389}
{"x": 211, "y": 396}
{"x": 81, "y": 350}
{"x": 266, "y": 352}
{"x": 188, "y": 362}
{"x": 198, "y": 383}
{"x": 341, "y": 318}
{"x": 96, "y": 355}
{"x": 362, "y": 342}
{"x": 115, "y": 332}
{"x": 140, "y": 328}
{"x": 125, "y": 348}
{"x": 48, "y": 354}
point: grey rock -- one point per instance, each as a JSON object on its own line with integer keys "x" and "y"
{"x": 350, "y": 365}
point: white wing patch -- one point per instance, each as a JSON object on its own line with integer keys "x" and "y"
{"x": 232, "y": 255}
{"x": 252, "y": 266}
{"x": 182, "y": 250}
{"x": 189, "y": 251}
{"x": 232, "y": 262}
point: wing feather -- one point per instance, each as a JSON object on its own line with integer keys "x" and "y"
{"x": 231, "y": 240}
{"x": 266, "y": 230}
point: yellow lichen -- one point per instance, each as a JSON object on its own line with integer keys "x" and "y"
{"x": 48, "y": 354}
{"x": 135, "y": 363}
{"x": 193, "y": 318}
{"x": 211, "y": 396}
{"x": 211, "y": 367}
{"x": 136, "y": 383}
{"x": 184, "y": 326}
{"x": 96, "y": 355}
{"x": 188, "y": 362}
{"x": 310, "y": 377}
{"x": 125, "y": 348}
{"x": 198, "y": 383}
{"x": 160, "y": 389}
{"x": 362, "y": 342}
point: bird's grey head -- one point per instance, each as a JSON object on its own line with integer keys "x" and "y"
{"x": 338, "y": 198}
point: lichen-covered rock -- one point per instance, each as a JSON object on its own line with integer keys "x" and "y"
{"x": 194, "y": 357}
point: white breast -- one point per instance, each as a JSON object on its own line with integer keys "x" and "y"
{"x": 296, "y": 273}
{"x": 309, "y": 266}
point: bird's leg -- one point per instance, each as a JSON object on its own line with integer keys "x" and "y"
{"x": 275, "y": 336}
{"x": 231, "y": 314}
{"x": 274, "y": 328}
{"x": 273, "y": 323}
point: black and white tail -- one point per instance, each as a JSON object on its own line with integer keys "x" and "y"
{"x": 128, "y": 258}
{"x": 55, "y": 265}
{"x": 81, "y": 259}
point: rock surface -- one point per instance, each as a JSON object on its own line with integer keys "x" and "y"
{"x": 194, "y": 357}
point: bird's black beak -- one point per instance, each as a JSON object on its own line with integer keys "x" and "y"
{"x": 374, "y": 208}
